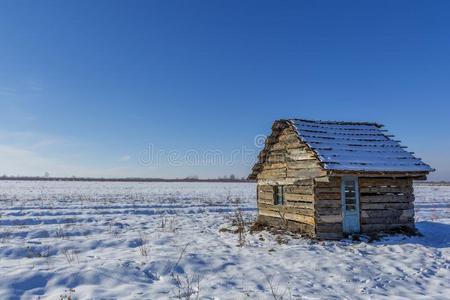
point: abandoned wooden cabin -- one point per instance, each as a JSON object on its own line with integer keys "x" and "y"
{"x": 328, "y": 179}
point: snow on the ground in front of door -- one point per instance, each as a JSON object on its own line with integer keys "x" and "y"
{"x": 152, "y": 241}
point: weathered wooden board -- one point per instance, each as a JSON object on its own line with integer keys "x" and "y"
{"x": 275, "y": 166}
{"x": 387, "y": 213}
{"x": 288, "y": 209}
{"x": 327, "y": 203}
{"x": 386, "y": 198}
{"x": 329, "y": 228}
{"x": 327, "y": 190}
{"x": 386, "y": 189}
{"x": 331, "y": 196}
{"x": 389, "y": 205}
{"x": 303, "y": 164}
{"x": 305, "y": 173}
{"x": 292, "y": 225}
{"x": 304, "y": 182}
{"x": 328, "y": 210}
{"x": 266, "y": 196}
{"x": 272, "y": 158}
{"x": 272, "y": 174}
{"x": 328, "y": 219}
{"x": 333, "y": 182}
{"x": 265, "y": 188}
{"x": 300, "y": 204}
{"x": 375, "y": 182}
{"x": 298, "y": 154}
{"x": 299, "y": 197}
{"x": 299, "y": 189}
{"x": 288, "y": 216}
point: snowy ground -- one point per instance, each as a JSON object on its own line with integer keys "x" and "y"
{"x": 154, "y": 240}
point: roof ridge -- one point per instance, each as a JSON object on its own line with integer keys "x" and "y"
{"x": 335, "y": 122}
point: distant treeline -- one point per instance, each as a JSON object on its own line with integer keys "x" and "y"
{"x": 437, "y": 183}
{"x": 139, "y": 179}
{"x": 127, "y": 179}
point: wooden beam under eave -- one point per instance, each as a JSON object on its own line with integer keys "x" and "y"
{"x": 414, "y": 175}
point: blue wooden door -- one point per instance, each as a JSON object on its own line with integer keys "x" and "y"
{"x": 350, "y": 204}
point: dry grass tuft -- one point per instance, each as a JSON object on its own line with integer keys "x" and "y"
{"x": 144, "y": 248}
{"x": 70, "y": 255}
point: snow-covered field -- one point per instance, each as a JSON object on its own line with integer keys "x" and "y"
{"x": 163, "y": 240}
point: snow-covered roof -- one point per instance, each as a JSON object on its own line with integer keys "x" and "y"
{"x": 356, "y": 146}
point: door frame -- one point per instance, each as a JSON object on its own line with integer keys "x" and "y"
{"x": 357, "y": 204}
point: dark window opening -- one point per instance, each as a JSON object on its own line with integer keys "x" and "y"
{"x": 278, "y": 195}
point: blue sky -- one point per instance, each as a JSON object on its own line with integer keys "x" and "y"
{"x": 156, "y": 88}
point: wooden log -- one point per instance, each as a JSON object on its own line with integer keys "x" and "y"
{"x": 305, "y": 173}
{"x": 387, "y": 220}
{"x": 328, "y": 210}
{"x": 275, "y": 158}
{"x": 287, "y": 216}
{"x": 303, "y": 164}
{"x": 298, "y": 197}
{"x": 391, "y": 213}
{"x": 331, "y": 196}
{"x": 288, "y": 138}
{"x": 292, "y": 225}
{"x": 304, "y": 182}
{"x": 300, "y": 204}
{"x": 265, "y": 188}
{"x": 272, "y": 174}
{"x": 265, "y": 195}
{"x": 375, "y": 182}
{"x": 329, "y": 228}
{"x": 386, "y": 189}
{"x": 288, "y": 209}
{"x": 275, "y": 166}
{"x": 297, "y": 189}
{"x": 333, "y": 182}
{"x": 327, "y": 203}
{"x": 265, "y": 201}
{"x": 298, "y": 154}
{"x": 328, "y": 219}
{"x": 389, "y": 205}
{"x": 328, "y": 190}
{"x": 329, "y": 235}
{"x": 277, "y": 181}
{"x": 322, "y": 179}
{"x": 386, "y": 198}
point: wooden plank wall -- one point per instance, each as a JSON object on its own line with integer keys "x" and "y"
{"x": 287, "y": 160}
{"x": 328, "y": 208}
{"x": 298, "y": 207}
{"x": 292, "y": 164}
{"x": 386, "y": 203}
